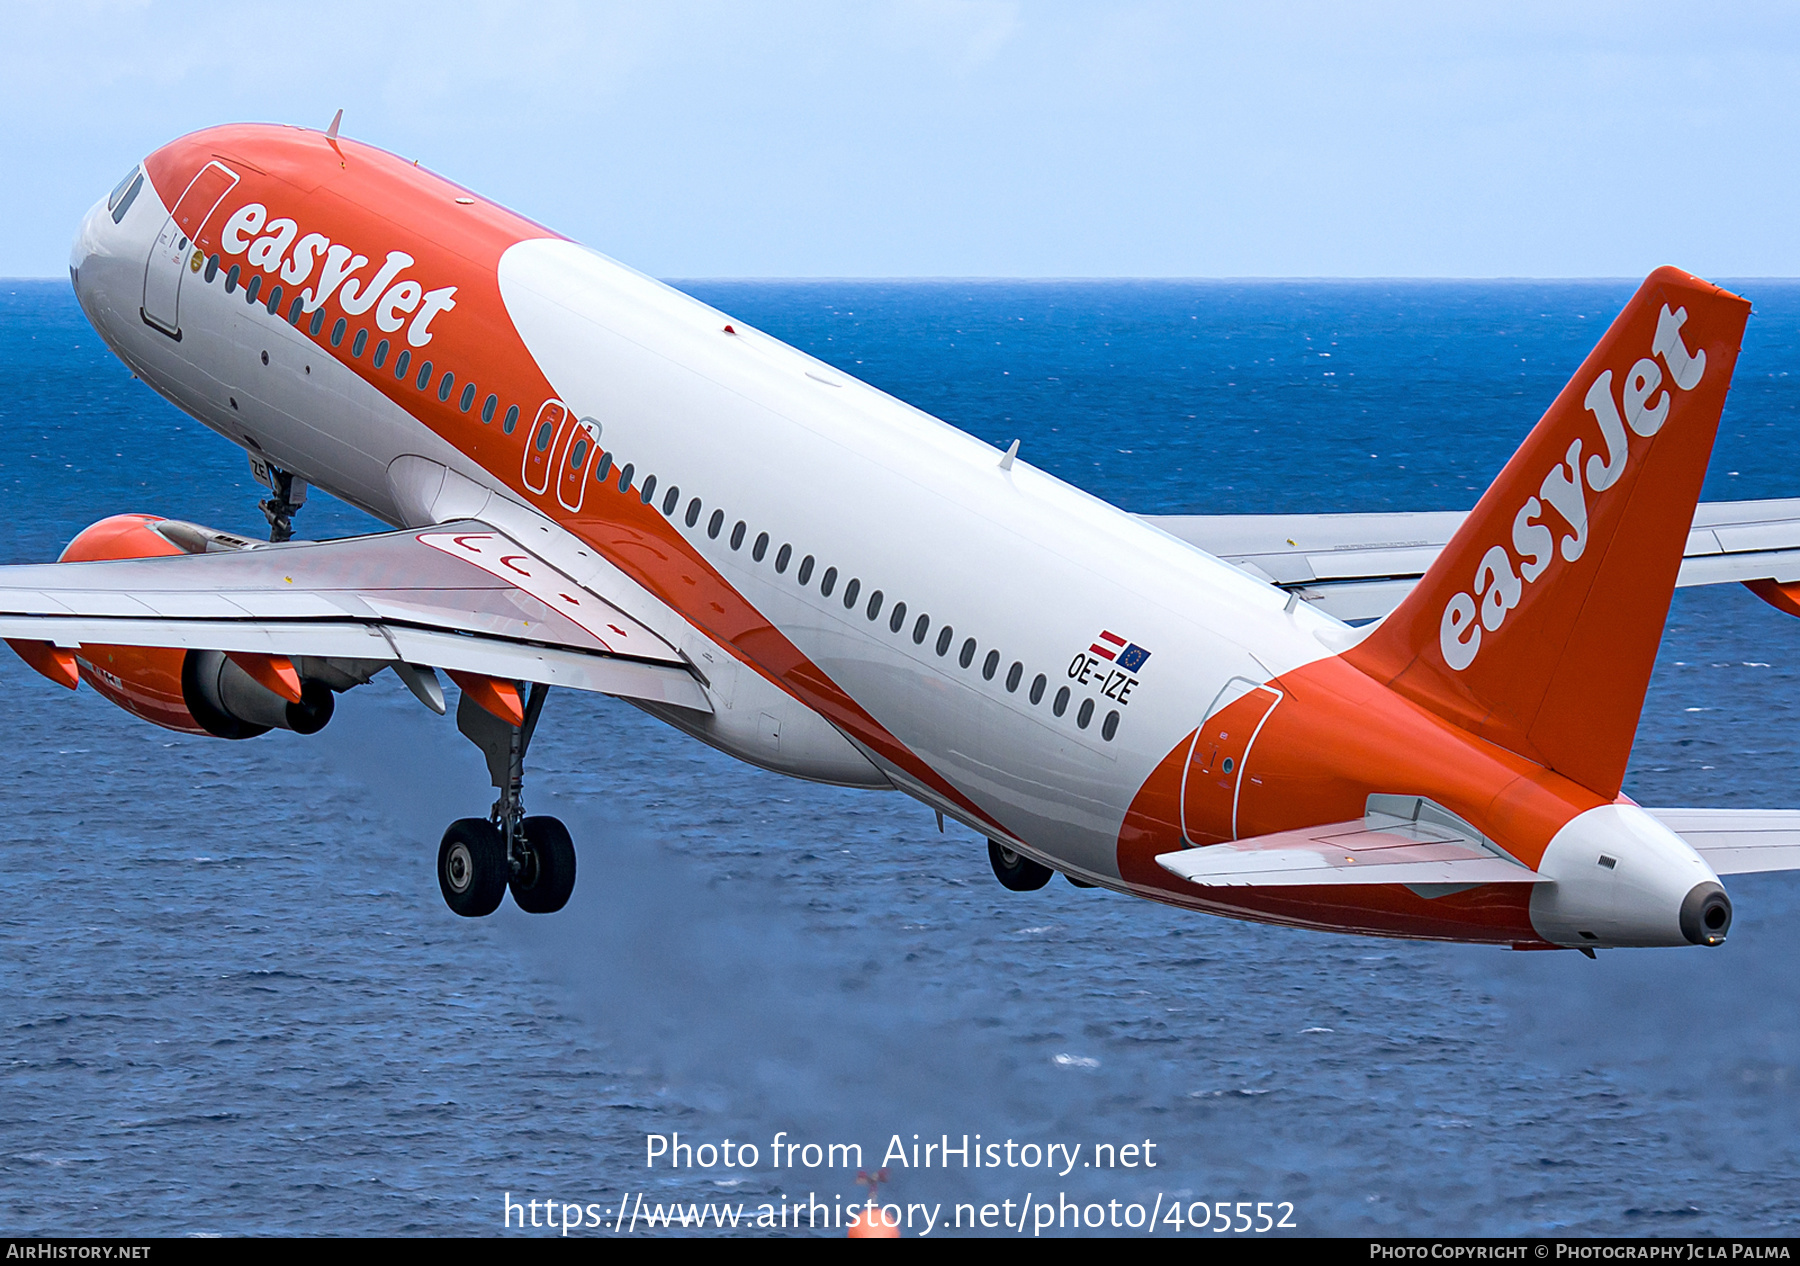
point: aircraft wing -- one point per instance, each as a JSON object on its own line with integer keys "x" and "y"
{"x": 1420, "y": 845}
{"x": 1359, "y": 566}
{"x": 1738, "y": 841}
{"x": 460, "y": 596}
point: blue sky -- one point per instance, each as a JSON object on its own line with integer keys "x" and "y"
{"x": 982, "y": 137}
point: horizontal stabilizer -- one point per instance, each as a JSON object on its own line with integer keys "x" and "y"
{"x": 1425, "y": 847}
{"x": 1738, "y": 841}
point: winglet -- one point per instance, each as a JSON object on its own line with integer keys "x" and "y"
{"x": 1537, "y": 625}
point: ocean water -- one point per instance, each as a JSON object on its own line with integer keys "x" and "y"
{"x": 232, "y": 1001}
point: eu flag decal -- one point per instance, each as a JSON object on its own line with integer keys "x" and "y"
{"x": 1132, "y": 658}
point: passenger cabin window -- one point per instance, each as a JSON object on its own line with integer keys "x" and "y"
{"x": 897, "y": 620}
{"x": 424, "y": 379}
{"x": 625, "y": 473}
{"x": 737, "y": 534}
{"x": 337, "y": 334}
{"x": 850, "y": 592}
{"x": 1037, "y": 688}
{"x": 693, "y": 512}
{"x": 468, "y": 398}
{"x": 603, "y": 468}
{"x": 231, "y": 280}
{"x": 1062, "y": 702}
{"x": 874, "y": 609}
{"x": 512, "y": 418}
{"x": 487, "y": 408}
{"x": 649, "y": 489}
{"x": 671, "y": 499}
{"x": 920, "y": 628}
{"x": 714, "y": 524}
{"x": 1085, "y": 713}
{"x": 967, "y": 655}
{"x": 761, "y": 547}
{"x": 806, "y": 570}
{"x": 828, "y": 581}
{"x": 401, "y": 362}
{"x": 1013, "y": 675}
{"x": 990, "y": 665}
{"x": 782, "y": 557}
{"x": 212, "y": 269}
{"x": 1110, "y": 726}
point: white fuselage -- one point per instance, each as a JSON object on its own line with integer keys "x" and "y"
{"x": 883, "y": 495}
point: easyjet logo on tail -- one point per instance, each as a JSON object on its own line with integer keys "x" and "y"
{"x": 1639, "y": 407}
{"x": 278, "y": 246}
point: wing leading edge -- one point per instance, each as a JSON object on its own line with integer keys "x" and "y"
{"x": 461, "y": 596}
{"x": 1359, "y": 566}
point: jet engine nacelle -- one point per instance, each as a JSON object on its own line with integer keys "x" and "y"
{"x": 192, "y": 691}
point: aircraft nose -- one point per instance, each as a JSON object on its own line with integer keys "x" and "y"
{"x": 101, "y": 224}
{"x": 85, "y": 245}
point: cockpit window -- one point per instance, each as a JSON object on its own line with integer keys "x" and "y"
{"x": 112, "y": 199}
{"x": 120, "y": 200}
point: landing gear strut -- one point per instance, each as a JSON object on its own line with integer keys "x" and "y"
{"x": 533, "y": 856}
{"x": 287, "y": 493}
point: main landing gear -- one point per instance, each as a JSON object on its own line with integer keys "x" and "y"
{"x": 481, "y": 858}
{"x": 1016, "y": 871}
{"x": 1019, "y": 873}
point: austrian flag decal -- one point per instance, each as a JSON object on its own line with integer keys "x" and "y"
{"x": 1127, "y": 655}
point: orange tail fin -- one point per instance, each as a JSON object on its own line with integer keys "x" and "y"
{"x": 1537, "y": 626}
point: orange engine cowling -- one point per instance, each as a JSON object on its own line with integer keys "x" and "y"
{"x": 196, "y": 692}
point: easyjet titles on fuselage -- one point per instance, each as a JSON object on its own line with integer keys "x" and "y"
{"x": 278, "y": 247}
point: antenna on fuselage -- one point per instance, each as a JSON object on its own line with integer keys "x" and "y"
{"x": 331, "y": 132}
{"x": 1006, "y": 459}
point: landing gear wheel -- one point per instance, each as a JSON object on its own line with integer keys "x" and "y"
{"x": 1015, "y": 870}
{"x": 472, "y": 867}
{"x": 546, "y": 875}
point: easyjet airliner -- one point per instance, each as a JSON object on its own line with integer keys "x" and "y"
{"x": 600, "y": 484}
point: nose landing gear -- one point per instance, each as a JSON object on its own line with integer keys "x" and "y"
{"x": 287, "y": 493}
{"x": 479, "y": 860}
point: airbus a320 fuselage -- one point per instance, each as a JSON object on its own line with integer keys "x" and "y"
{"x": 820, "y": 579}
